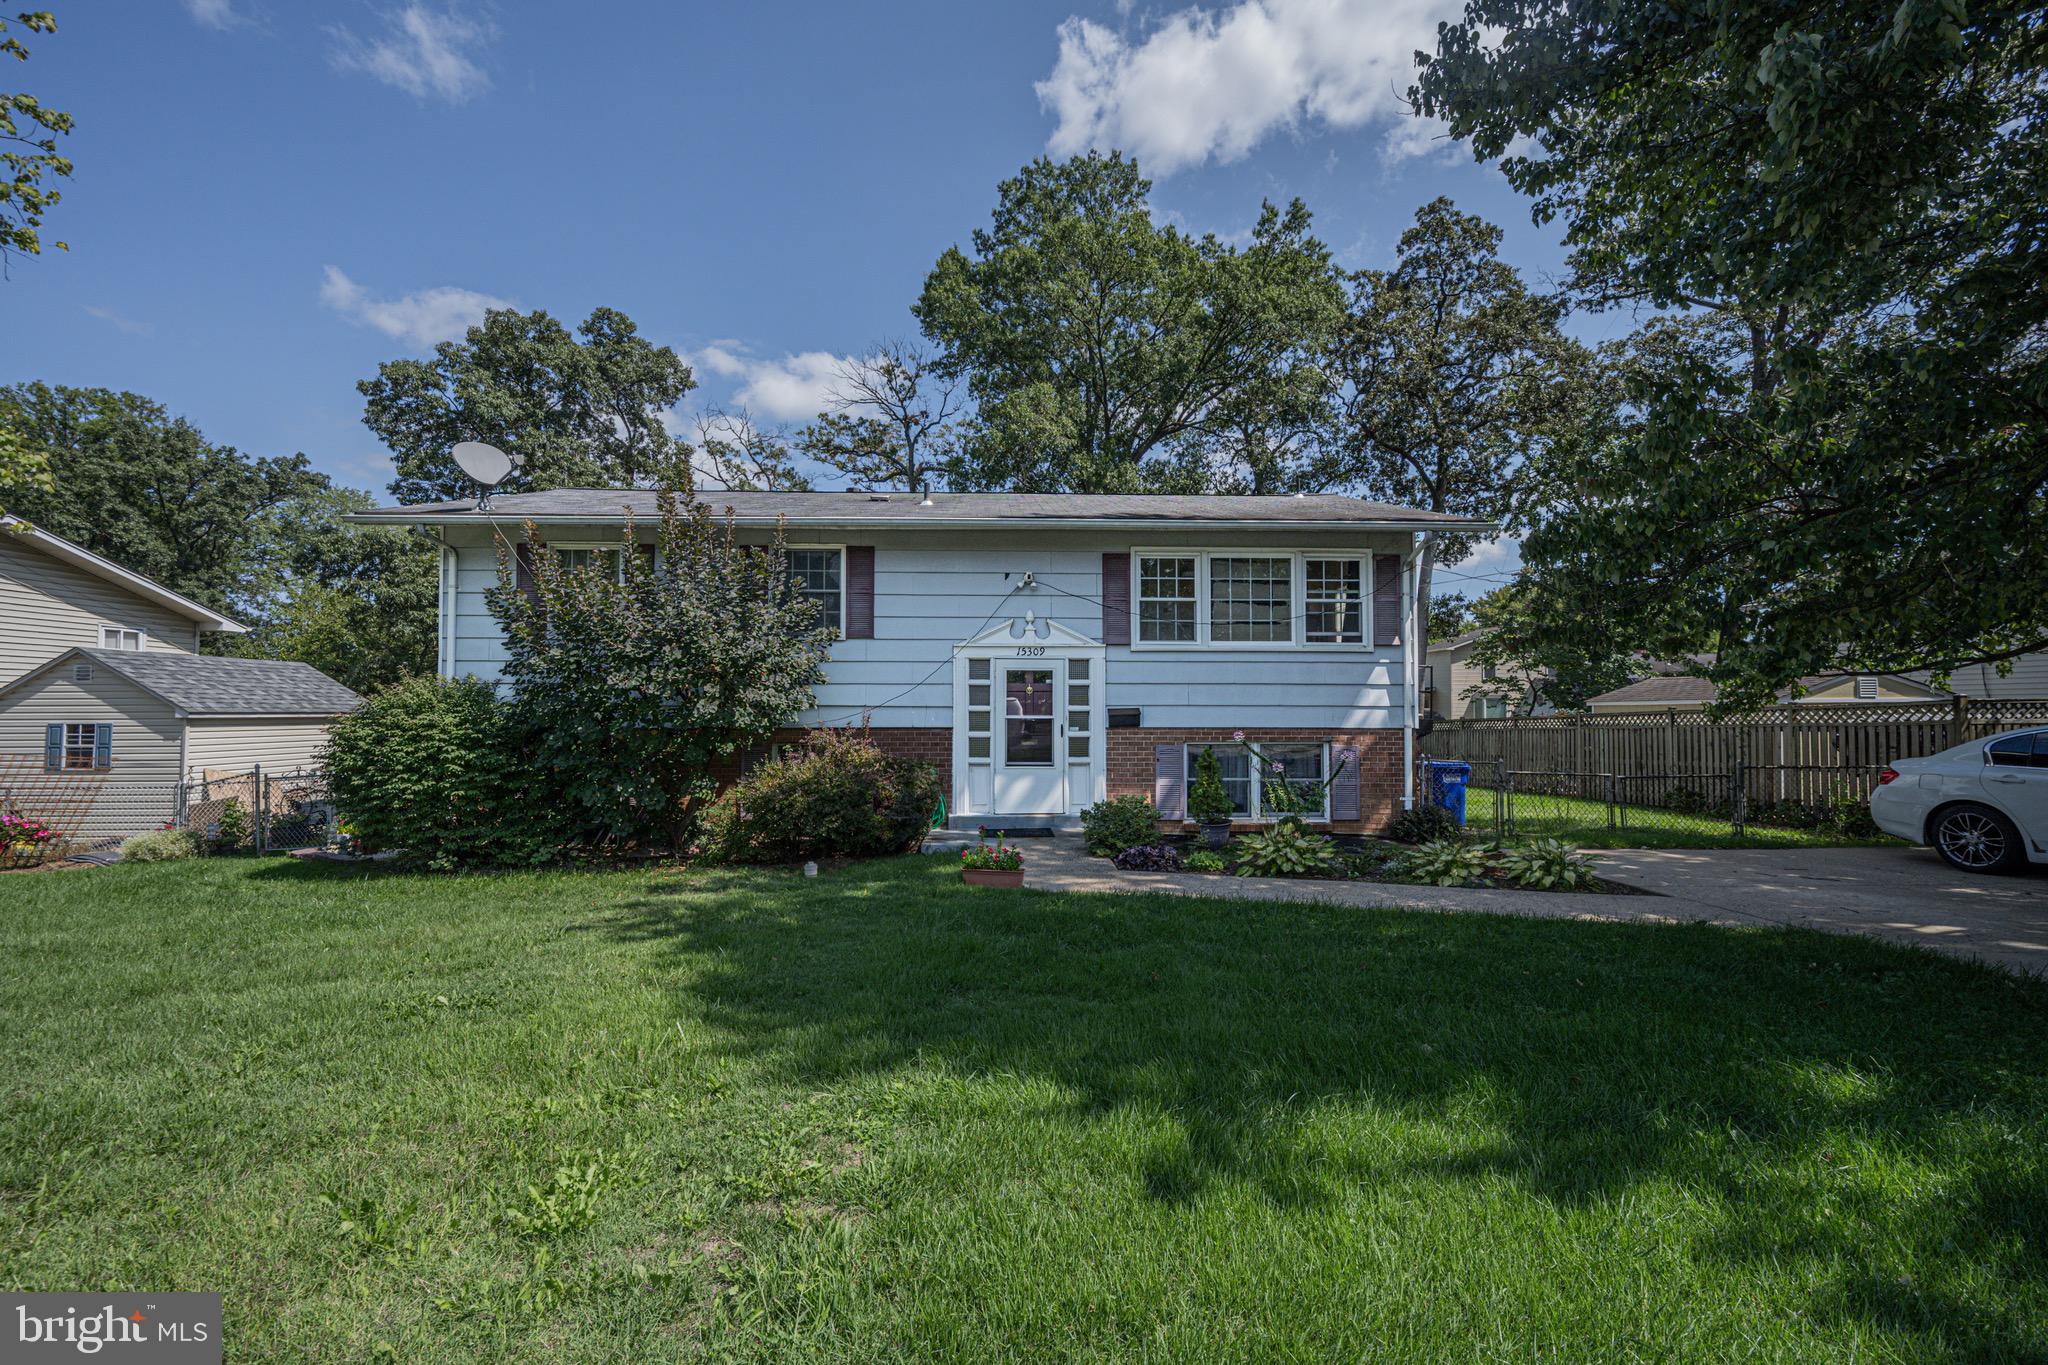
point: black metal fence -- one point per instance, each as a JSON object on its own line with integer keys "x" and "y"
{"x": 1515, "y": 803}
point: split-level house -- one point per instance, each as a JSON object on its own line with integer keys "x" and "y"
{"x": 1045, "y": 651}
{"x": 103, "y": 688}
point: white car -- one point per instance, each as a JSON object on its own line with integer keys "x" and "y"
{"x": 1982, "y": 805}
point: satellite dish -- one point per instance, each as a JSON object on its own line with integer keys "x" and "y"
{"x": 485, "y": 464}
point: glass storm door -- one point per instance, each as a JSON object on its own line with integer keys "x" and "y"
{"x": 1030, "y": 774}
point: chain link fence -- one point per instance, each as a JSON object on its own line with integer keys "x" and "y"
{"x": 1514, "y": 803}
{"x": 265, "y": 811}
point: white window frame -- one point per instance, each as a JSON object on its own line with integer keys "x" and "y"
{"x": 91, "y": 747}
{"x": 1258, "y": 814}
{"x": 1299, "y": 587}
{"x": 838, "y": 626}
{"x": 141, "y": 638}
{"x": 618, "y": 548}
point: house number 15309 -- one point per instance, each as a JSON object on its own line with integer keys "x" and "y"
{"x": 1030, "y": 651}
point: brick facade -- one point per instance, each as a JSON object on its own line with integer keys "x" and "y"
{"x": 1130, "y": 773}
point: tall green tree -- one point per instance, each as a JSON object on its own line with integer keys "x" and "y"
{"x": 635, "y": 684}
{"x": 587, "y": 408}
{"x": 1450, "y": 371}
{"x": 28, "y": 152}
{"x": 1830, "y": 453}
{"x": 1106, "y": 352}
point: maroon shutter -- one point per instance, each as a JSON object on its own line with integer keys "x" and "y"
{"x": 1170, "y": 780}
{"x": 1116, "y": 599}
{"x": 522, "y": 571}
{"x": 860, "y": 592}
{"x": 1344, "y": 784}
{"x": 1386, "y": 599}
{"x": 646, "y": 556}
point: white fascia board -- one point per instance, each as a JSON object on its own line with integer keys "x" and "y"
{"x": 940, "y": 523}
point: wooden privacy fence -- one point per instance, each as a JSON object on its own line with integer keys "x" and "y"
{"x": 1802, "y": 755}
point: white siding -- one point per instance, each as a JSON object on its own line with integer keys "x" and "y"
{"x": 2028, "y": 680}
{"x": 281, "y": 746}
{"x": 933, "y": 590}
{"x": 48, "y": 606}
{"x": 138, "y": 792}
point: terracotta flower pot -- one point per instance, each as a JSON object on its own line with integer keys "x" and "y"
{"x": 989, "y": 876}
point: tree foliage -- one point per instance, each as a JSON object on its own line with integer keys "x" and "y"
{"x": 1829, "y": 452}
{"x": 28, "y": 153}
{"x": 1109, "y": 353}
{"x": 634, "y": 683}
{"x": 894, "y": 422}
{"x": 1451, "y": 370}
{"x": 587, "y": 408}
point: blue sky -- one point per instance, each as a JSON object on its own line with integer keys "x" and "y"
{"x": 271, "y": 198}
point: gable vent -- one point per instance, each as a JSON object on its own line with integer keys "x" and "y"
{"x": 81, "y": 672}
{"x": 1866, "y": 689}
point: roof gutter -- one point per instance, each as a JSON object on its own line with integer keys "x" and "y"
{"x": 919, "y": 523}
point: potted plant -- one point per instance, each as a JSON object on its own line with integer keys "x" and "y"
{"x": 1208, "y": 801}
{"x": 998, "y": 866}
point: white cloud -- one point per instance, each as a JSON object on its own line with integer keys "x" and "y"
{"x": 1212, "y": 84}
{"x": 120, "y": 323}
{"x": 421, "y": 318}
{"x": 422, "y": 52}
{"x": 213, "y": 13}
{"x": 792, "y": 389}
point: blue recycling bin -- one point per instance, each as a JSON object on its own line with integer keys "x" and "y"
{"x": 1444, "y": 782}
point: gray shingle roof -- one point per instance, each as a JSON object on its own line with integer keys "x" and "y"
{"x": 610, "y": 504}
{"x": 205, "y": 685}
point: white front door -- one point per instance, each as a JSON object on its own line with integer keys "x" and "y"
{"x": 1030, "y": 760}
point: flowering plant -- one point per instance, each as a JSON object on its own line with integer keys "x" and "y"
{"x": 19, "y": 829}
{"x": 1001, "y": 858}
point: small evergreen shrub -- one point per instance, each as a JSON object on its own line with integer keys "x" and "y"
{"x": 1548, "y": 865}
{"x": 1206, "y": 860}
{"x": 439, "y": 771}
{"x": 1208, "y": 798}
{"x": 1288, "y": 849}
{"x": 1446, "y": 862}
{"x": 1119, "y": 823}
{"x": 231, "y": 830}
{"x": 1151, "y": 858}
{"x": 160, "y": 846}
{"x": 837, "y": 796}
{"x": 1422, "y": 824}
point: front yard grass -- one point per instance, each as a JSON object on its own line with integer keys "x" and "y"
{"x": 1584, "y": 823}
{"x": 876, "y": 1116}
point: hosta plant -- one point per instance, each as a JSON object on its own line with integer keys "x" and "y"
{"x": 1288, "y": 849}
{"x": 1548, "y": 865}
{"x": 1207, "y": 860}
{"x": 1446, "y": 862}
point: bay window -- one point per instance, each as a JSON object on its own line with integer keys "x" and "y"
{"x": 1250, "y": 599}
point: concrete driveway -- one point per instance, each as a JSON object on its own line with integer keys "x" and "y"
{"x": 1902, "y": 895}
{"x": 1905, "y": 895}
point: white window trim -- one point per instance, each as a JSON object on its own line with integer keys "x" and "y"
{"x": 141, "y": 637}
{"x": 838, "y": 626}
{"x": 615, "y": 546}
{"x": 1258, "y": 814}
{"x": 92, "y": 747}
{"x": 1298, "y": 583}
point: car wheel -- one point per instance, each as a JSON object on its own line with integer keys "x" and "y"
{"x": 1976, "y": 839}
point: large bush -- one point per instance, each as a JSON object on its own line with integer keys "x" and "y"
{"x": 1119, "y": 823}
{"x": 436, "y": 769}
{"x": 837, "y": 796}
{"x": 160, "y": 846}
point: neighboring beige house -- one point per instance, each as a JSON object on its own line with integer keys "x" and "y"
{"x": 1460, "y": 688}
{"x": 106, "y": 705}
{"x": 2027, "y": 681}
{"x": 55, "y": 595}
{"x": 1685, "y": 693}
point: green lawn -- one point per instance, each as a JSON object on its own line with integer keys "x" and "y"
{"x": 643, "y": 1116}
{"x": 1585, "y": 824}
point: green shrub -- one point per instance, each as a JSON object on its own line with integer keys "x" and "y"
{"x": 1372, "y": 860}
{"x": 1288, "y": 849}
{"x": 837, "y": 796}
{"x": 231, "y": 830}
{"x": 1208, "y": 798}
{"x": 1119, "y": 823}
{"x": 1422, "y": 824}
{"x": 1206, "y": 860}
{"x": 1548, "y": 865}
{"x": 1446, "y": 862}
{"x": 439, "y": 771}
{"x": 160, "y": 846}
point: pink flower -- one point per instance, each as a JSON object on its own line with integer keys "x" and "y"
{"x": 1237, "y": 735}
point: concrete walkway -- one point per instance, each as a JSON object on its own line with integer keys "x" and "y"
{"x": 1901, "y": 895}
